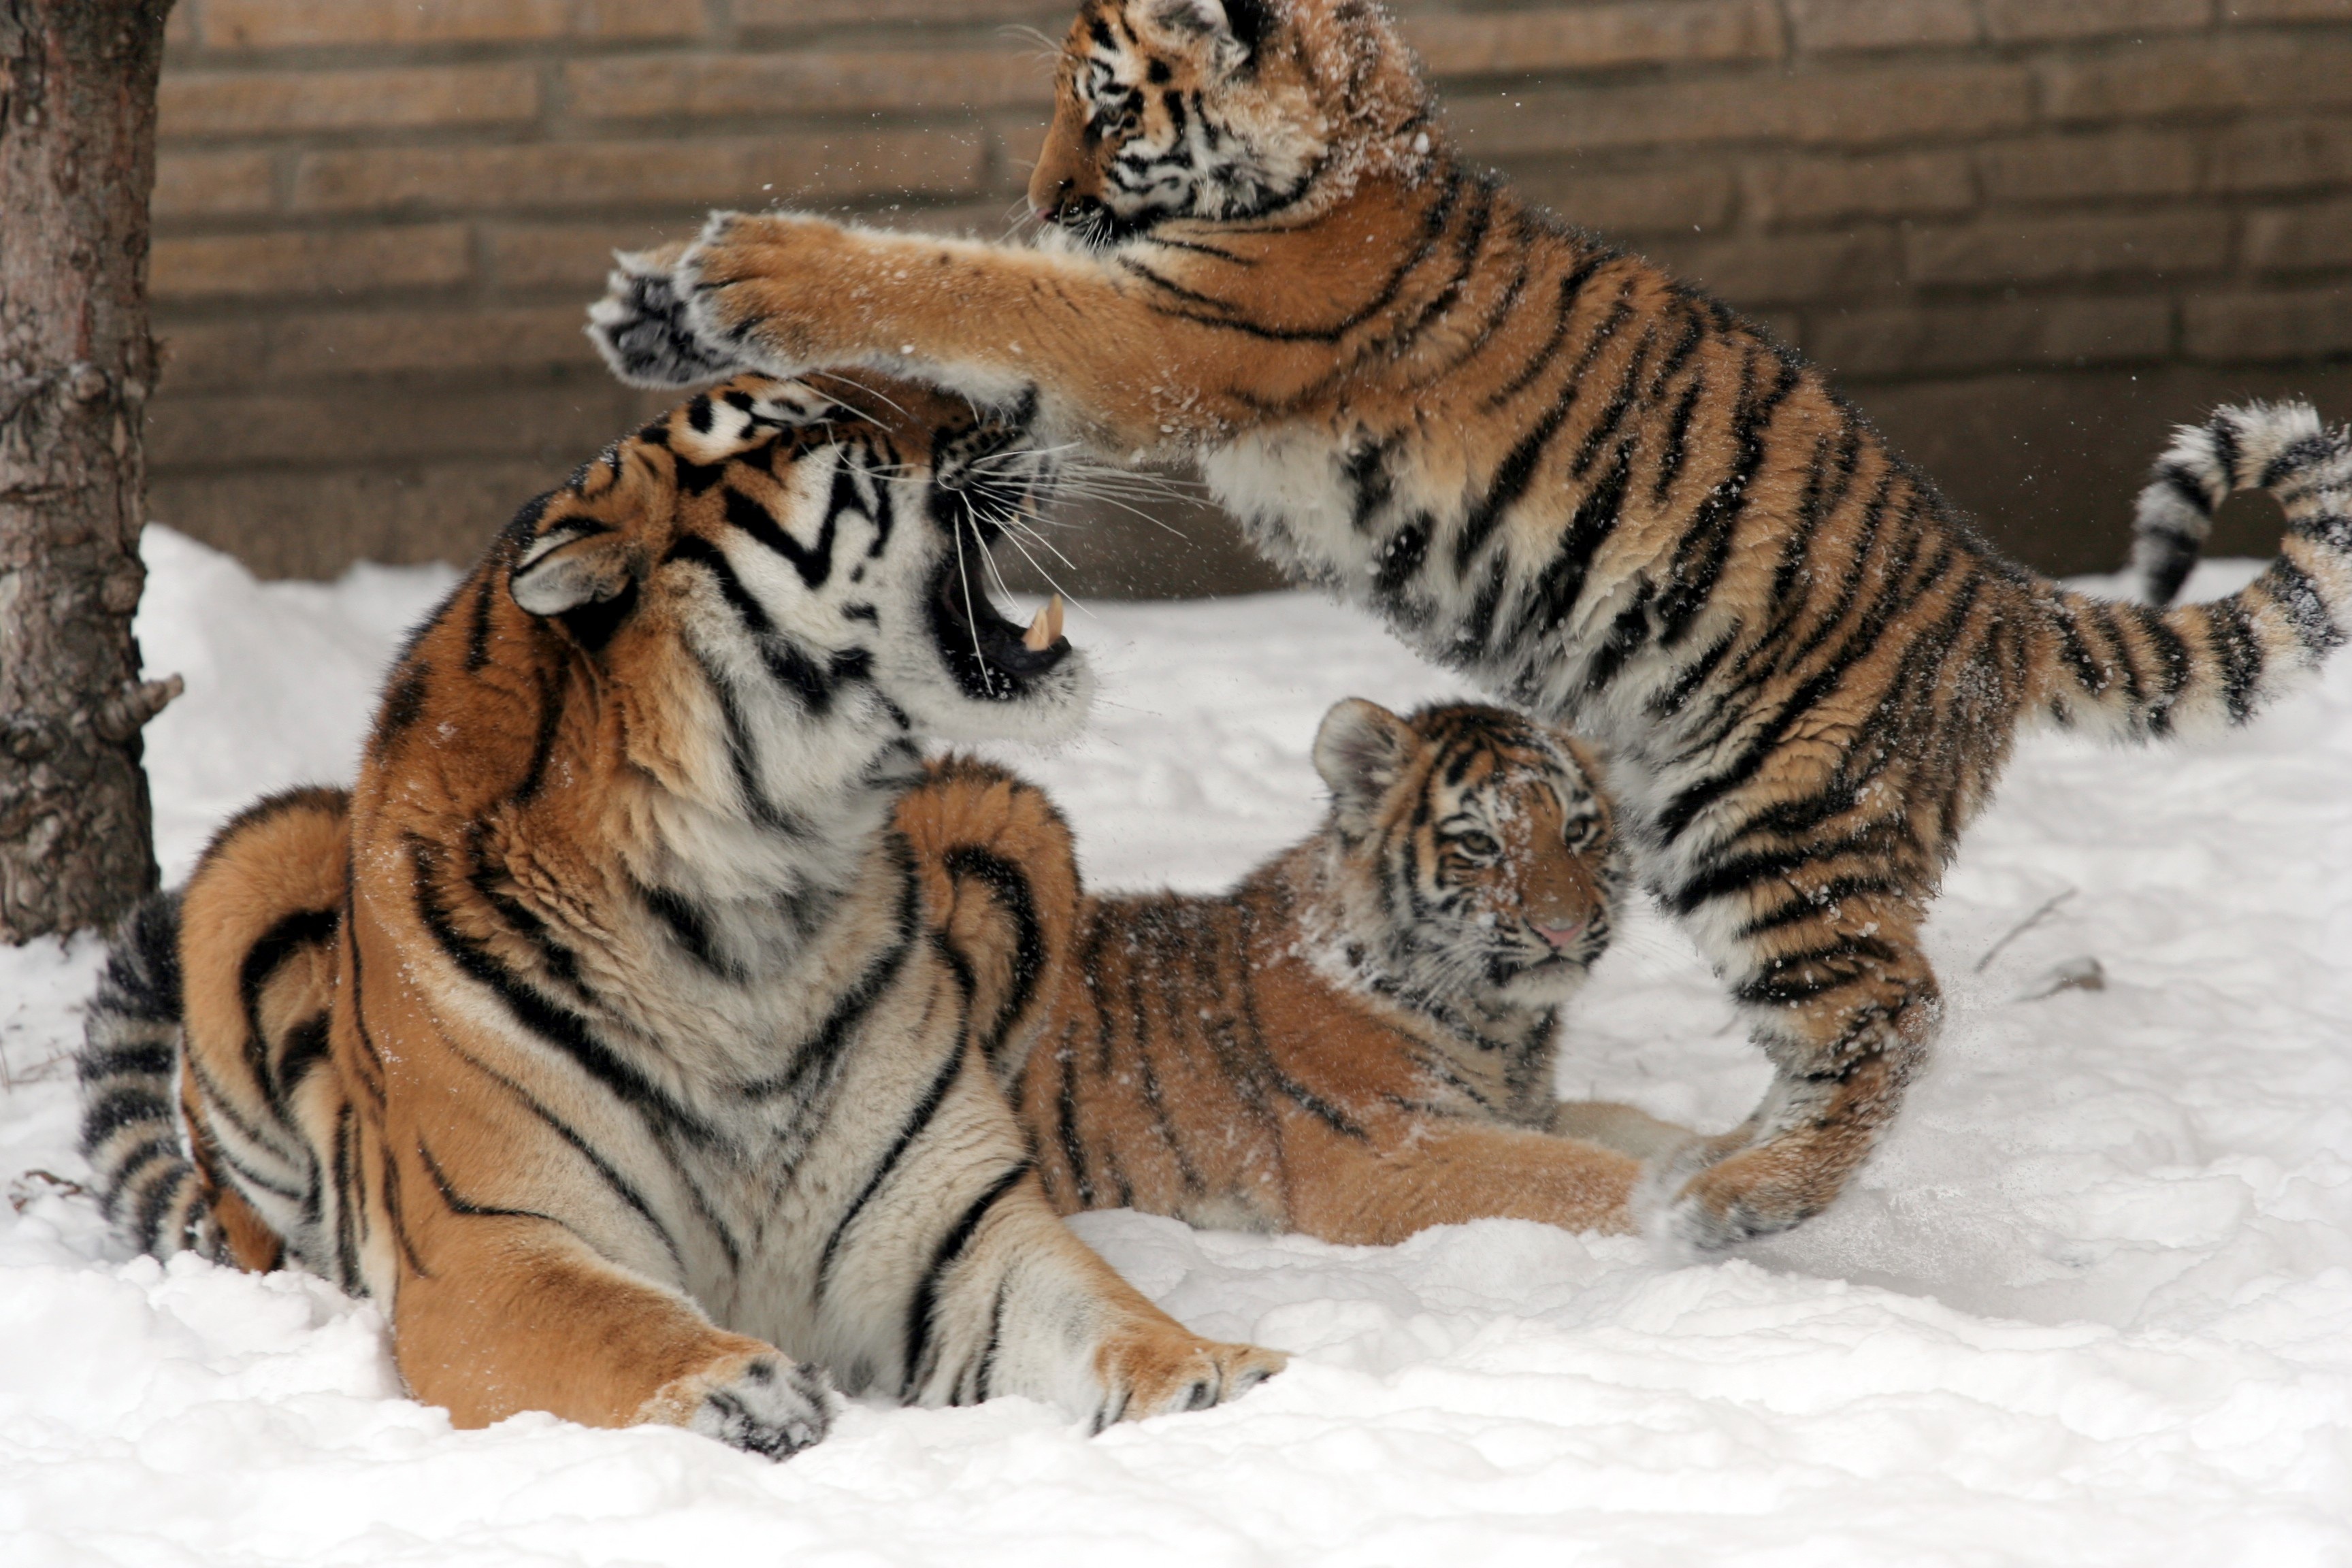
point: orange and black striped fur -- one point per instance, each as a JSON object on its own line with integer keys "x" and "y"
{"x": 1553, "y": 468}
{"x": 1358, "y": 1041}
{"x": 601, "y": 1033}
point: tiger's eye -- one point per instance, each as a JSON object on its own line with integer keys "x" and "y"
{"x": 1483, "y": 846}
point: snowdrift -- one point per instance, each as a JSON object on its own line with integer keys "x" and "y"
{"x": 2091, "y": 1303}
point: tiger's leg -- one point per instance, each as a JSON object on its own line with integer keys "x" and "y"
{"x": 1062, "y": 1325}
{"x": 258, "y": 928}
{"x": 1622, "y": 1127}
{"x": 222, "y": 990}
{"x": 1377, "y": 1193}
{"x": 511, "y": 1312}
{"x": 241, "y": 1235}
{"x": 999, "y": 879}
{"x": 765, "y": 291}
{"x": 1843, "y": 1003}
{"x": 955, "y": 1281}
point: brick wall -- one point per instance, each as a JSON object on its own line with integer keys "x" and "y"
{"x": 2025, "y": 234}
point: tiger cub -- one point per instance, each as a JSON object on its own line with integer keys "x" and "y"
{"x": 597, "y": 1033}
{"x": 1550, "y": 466}
{"x": 1358, "y": 1041}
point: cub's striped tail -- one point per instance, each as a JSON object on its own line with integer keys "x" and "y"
{"x": 129, "y": 1068}
{"x": 2141, "y": 671}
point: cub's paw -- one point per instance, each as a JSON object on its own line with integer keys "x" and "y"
{"x": 1162, "y": 1371}
{"x": 640, "y": 325}
{"x": 766, "y": 290}
{"x": 762, "y": 1403}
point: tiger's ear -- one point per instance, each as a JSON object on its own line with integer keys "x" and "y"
{"x": 566, "y": 571}
{"x": 1361, "y": 749}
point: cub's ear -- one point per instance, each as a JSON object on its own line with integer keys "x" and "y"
{"x": 580, "y": 577}
{"x": 1361, "y": 749}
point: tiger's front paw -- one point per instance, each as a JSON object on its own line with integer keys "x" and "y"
{"x": 762, "y": 1403}
{"x": 770, "y": 291}
{"x": 1155, "y": 1371}
{"x": 640, "y": 325}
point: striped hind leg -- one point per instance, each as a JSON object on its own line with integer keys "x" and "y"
{"x": 1843, "y": 1002}
{"x": 260, "y": 921}
{"x": 1000, "y": 878}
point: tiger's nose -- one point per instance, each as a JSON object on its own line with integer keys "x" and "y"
{"x": 1559, "y": 936}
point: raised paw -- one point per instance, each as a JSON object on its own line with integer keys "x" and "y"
{"x": 640, "y": 326}
{"x": 1162, "y": 1371}
{"x": 766, "y": 290}
{"x": 762, "y": 1404}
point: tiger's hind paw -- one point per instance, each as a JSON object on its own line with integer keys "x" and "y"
{"x": 1679, "y": 1226}
{"x": 642, "y": 328}
{"x": 762, "y": 1404}
{"x": 1165, "y": 1373}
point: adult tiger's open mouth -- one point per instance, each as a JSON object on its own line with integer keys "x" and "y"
{"x": 992, "y": 658}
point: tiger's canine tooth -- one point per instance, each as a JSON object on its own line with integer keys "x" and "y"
{"x": 1045, "y": 626}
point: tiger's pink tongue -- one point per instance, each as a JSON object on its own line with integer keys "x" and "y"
{"x": 1045, "y": 627}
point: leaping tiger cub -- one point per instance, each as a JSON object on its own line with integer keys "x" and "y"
{"x": 1551, "y": 467}
{"x": 1358, "y": 1041}
{"x": 598, "y": 1032}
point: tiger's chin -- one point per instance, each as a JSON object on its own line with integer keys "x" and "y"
{"x": 1540, "y": 983}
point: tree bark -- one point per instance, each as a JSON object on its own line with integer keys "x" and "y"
{"x": 76, "y": 165}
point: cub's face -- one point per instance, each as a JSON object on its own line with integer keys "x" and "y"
{"x": 1178, "y": 109}
{"x": 1487, "y": 842}
{"x": 804, "y": 558}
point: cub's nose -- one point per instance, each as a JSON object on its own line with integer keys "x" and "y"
{"x": 1559, "y": 936}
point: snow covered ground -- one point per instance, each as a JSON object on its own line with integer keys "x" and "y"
{"x": 2091, "y": 1304}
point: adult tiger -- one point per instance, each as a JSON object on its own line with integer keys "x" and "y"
{"x": 1358, "y": 1041}
{"x": 597, "y": 1033}
{"x": 1546, "y": 464}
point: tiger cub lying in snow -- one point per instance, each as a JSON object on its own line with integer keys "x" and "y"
{"x": 1357, "y": 1041}
{"x": 597, "y": 1033}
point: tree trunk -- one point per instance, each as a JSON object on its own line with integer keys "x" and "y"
{"x": 77, "y": 163}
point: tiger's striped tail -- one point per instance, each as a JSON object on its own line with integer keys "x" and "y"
{"x": 2143, "y": 671}
{"x": 128, "y": 1068}
{"x": 2279, "y": 447}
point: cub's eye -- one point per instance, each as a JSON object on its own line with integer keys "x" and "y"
{"x": 1582, "y": 835}
{"x": 1478, "y": 846}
